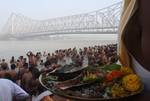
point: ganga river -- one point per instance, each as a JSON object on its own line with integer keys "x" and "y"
{"x": 17, "y": 48}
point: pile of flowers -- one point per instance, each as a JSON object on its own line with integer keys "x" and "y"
{"x": 117, "y": 81}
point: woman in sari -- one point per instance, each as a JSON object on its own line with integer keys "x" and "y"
{"x": 134, "y": 38}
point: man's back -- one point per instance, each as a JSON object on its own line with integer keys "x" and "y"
{"x": 8, "y": 90}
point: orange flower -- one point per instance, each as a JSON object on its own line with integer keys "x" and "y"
{"x": 109, "y": 77}
{"x": 116, "y": 73}
{"x": 113, "y": 74}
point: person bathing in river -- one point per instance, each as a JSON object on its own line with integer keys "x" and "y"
{"x": 32, "y": 59}
{"x": 134, "y": 35}
{"x": 4, "y": 65}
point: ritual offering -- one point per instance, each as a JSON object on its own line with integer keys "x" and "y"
{"x": 94, "y": 83}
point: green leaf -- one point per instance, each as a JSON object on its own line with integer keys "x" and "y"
{"x": 111, "y": 67}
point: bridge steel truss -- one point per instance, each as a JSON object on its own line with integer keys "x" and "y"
{"x": 105, "y": 20}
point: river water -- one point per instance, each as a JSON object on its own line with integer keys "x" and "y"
{"x": 21, "y": 47}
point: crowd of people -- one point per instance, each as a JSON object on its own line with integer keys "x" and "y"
{"x": 25, "y": 70}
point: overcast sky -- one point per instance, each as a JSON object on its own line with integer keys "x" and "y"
{"x": 45, "y": 9}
